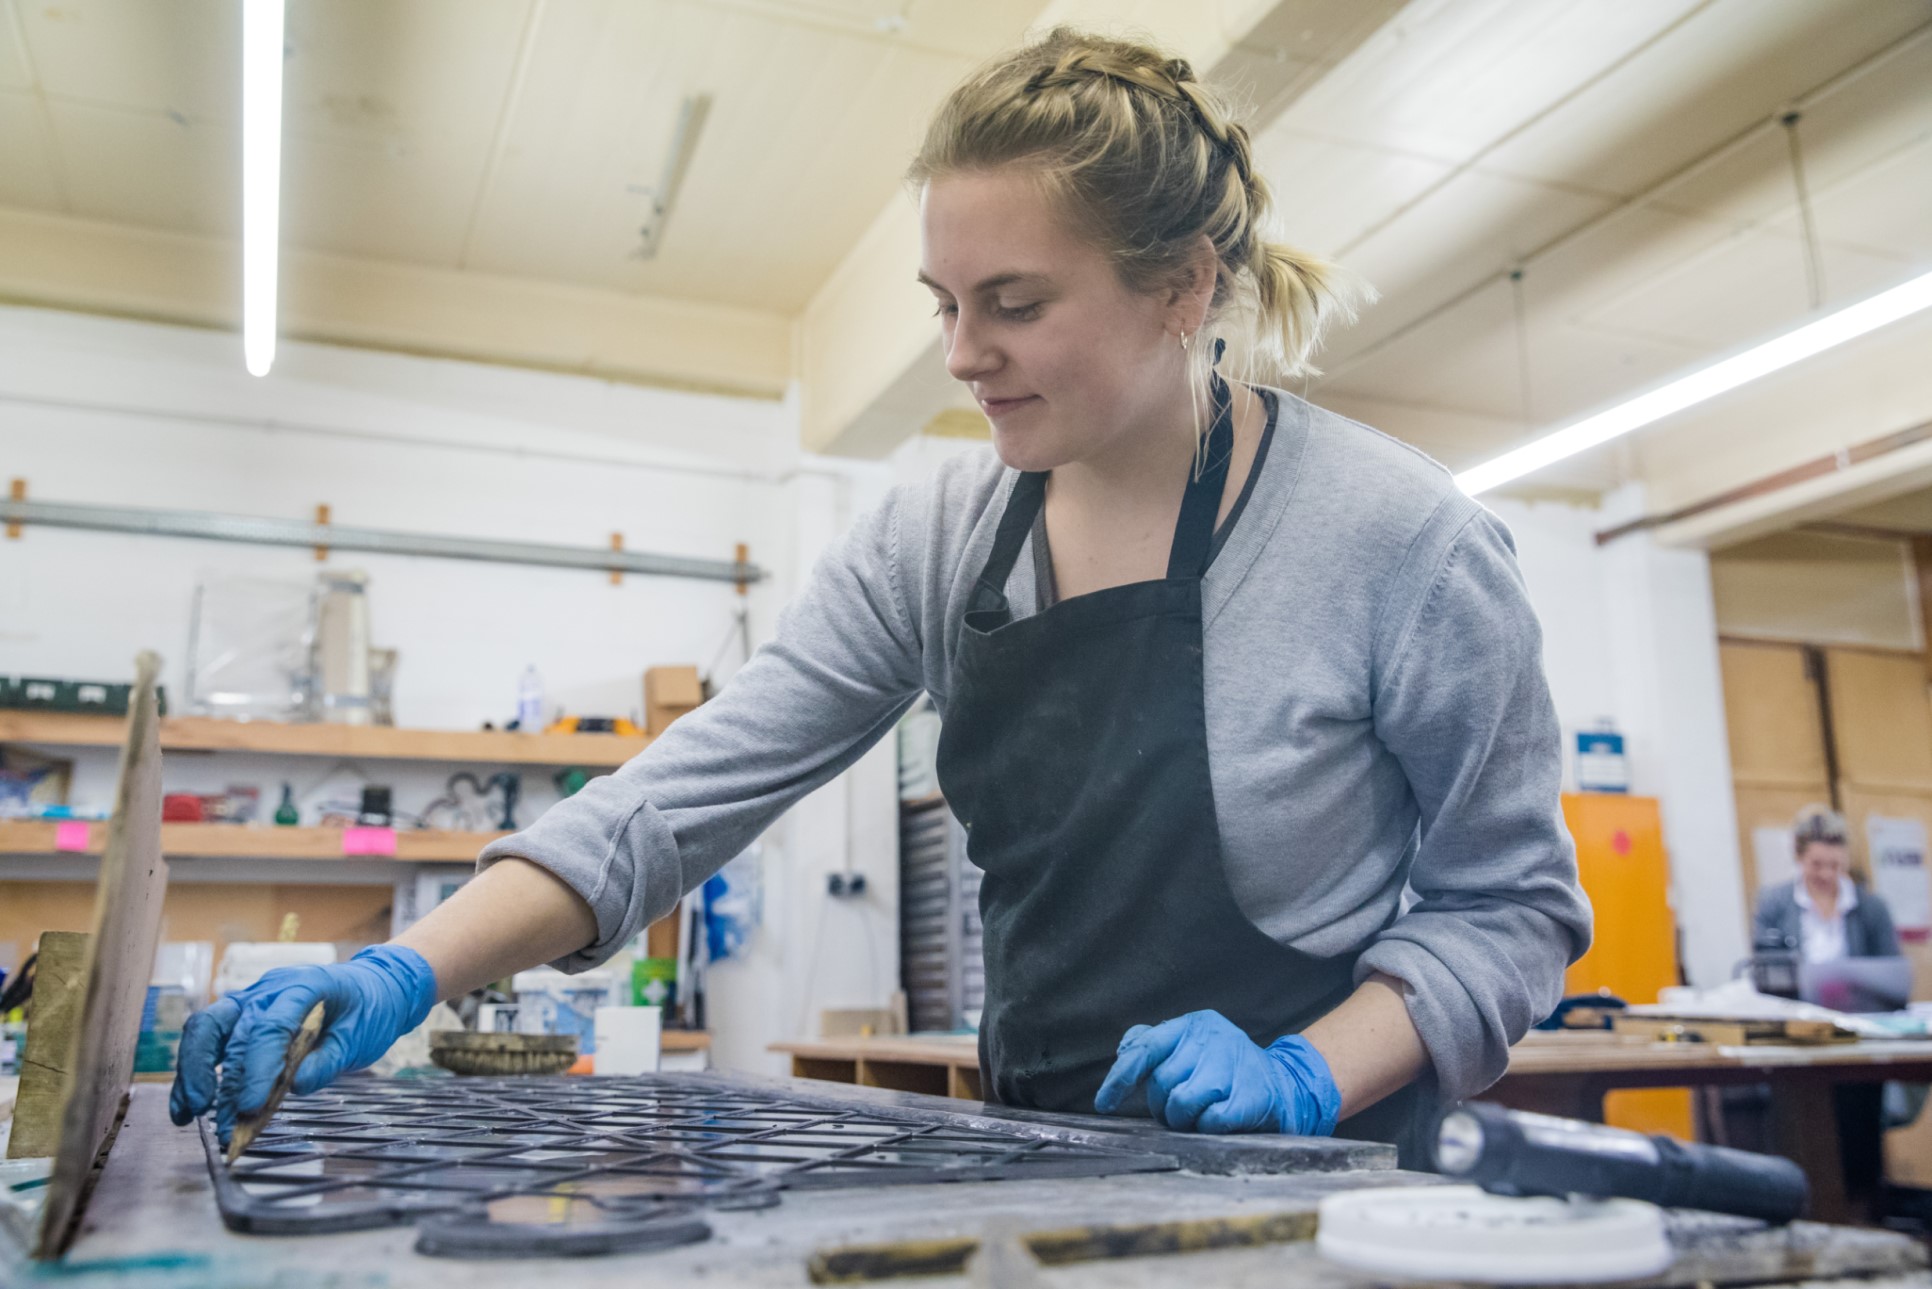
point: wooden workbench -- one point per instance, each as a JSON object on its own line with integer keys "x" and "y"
{"x": 153, "y": 1224}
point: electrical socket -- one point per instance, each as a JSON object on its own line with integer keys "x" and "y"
{"x": 844, "y": 885}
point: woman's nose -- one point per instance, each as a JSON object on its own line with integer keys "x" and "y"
{"x": 967, "y": 358}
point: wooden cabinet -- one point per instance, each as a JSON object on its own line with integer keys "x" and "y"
{"x": 1850, "y": 727}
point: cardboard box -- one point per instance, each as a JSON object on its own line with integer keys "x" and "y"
{"x": 669, "y": 692}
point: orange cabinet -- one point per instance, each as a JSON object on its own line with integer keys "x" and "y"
{"x": 1621, "y": 861}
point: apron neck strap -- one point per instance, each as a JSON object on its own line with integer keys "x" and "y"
{"x": 1022, "y": 508}
{"x": 1201, "y": 506}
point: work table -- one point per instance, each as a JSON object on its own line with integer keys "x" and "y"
{"x": 153, "y": 1223}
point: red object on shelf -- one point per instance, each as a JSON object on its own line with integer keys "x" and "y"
{"x": 181, "y": 808}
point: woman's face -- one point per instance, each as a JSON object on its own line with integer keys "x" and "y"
{"x": 1062, "y": 357}
{"x": 1823, "y": 863}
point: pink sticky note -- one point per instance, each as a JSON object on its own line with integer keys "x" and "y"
{"x": 368, "y": 841}
{"x": 71, "y": 834}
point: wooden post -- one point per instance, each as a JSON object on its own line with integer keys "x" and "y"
{"x": 1922, "y": 566}
{"x": 321, "y": 517}
{"x": 19, "y": 493}
{"x": 743, "y": 557}
{"x": 617, "y": 544}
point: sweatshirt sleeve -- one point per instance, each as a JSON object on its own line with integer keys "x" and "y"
{"x": 843, "y": 666}
{"x": 1498, "y": 911}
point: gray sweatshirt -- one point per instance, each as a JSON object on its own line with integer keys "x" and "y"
{"x": 1377, "y": 717}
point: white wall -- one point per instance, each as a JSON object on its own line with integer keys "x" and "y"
{"x": 1563, "y": 567}
{"x": 109, "y": 412}
{"x": 1630, "y": 634}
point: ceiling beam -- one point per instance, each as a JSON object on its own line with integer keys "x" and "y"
{"x": 1864, "y": 532}
{"x": 84, "y": 266}
{"x": 868, "y": 359}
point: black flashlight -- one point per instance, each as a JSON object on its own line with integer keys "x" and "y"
{"x": 1511, "y": 1152}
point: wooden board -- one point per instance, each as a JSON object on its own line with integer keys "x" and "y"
{"x": 1771, "y": 713}
{"x": 362, "y": 742}
{"x": 53, "y": 1015}
{"x": 127, "y": 923}
{"x": 1730, "y": 1033}
{"x": 1880, "y": 719}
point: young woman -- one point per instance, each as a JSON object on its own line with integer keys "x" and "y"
{"x": 1221, "y": 674}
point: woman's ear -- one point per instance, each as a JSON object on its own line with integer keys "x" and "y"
{"x": 1189, "y": 299}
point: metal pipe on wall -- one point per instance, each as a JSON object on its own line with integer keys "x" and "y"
{"x": 253, "y": 530}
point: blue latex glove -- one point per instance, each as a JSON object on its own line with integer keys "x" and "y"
{"x": 1203, "y": 1074}
{"x": 369, "y": 1002}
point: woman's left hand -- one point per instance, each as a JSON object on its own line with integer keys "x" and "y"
{"x": 1203, "y": 1074}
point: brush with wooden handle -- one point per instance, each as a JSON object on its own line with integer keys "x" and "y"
{"x": 249, "y": 1126}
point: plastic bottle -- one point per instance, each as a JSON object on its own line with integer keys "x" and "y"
{"x": 530, "y": 701}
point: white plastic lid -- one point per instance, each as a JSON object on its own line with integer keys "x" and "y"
{"x": 1464, "y": 1233}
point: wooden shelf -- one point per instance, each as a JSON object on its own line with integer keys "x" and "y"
{"x": 369, "y": 742}
{"x": 935, "y": 1064}
{"x": 236, "y": 841}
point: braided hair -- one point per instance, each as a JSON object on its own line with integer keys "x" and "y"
{"x": 1144, "y": 160}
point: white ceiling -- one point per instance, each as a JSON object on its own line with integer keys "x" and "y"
{"x": 514, "y": 137}
{"x": 1470, "y": 134}
{"x": 518, "y": 139}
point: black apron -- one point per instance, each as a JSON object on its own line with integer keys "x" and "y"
{"x": 1075, "y": 752}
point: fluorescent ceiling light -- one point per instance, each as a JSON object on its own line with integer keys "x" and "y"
{"x": 1834, "y": 329}
{"x": 261, "y": 177}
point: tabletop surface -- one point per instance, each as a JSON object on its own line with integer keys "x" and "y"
{"x": 1600, "y": 1051}
{"x": 153, "y": 1223}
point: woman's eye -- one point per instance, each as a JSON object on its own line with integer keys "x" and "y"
{"x": 1007, "y": 313}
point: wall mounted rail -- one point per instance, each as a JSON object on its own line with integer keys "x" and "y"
{"x": 253, "y": 530}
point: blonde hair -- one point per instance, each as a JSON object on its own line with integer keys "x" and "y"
{"x": 1144, "y": 160}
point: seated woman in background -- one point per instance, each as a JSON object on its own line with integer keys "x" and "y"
{"x": 1824, "y": 915}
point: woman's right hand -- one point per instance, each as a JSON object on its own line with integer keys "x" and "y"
{"x": 368, "y": 1003}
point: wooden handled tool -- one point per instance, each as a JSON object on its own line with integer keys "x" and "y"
{"x": 248, "y": 1126}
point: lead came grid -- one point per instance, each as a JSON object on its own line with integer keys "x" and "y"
{"x": 377, "y": 1151}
